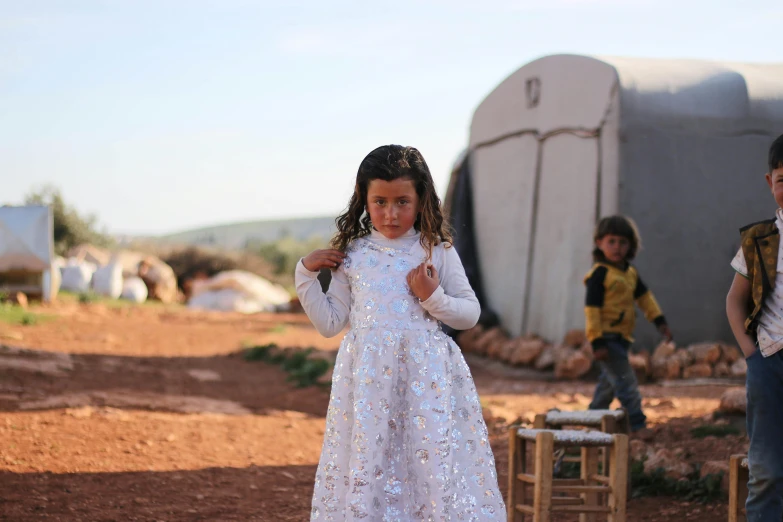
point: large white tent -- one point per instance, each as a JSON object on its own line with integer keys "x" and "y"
{"x": 26, "y": 249}
{"x": 678, "y": 145}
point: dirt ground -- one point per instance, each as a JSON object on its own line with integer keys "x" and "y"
{"x": 150, "y": 413}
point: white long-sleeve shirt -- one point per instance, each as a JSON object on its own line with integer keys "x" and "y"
{"x": 453, "y": 303}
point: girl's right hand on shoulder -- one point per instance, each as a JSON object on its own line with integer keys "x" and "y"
{"x": 318, "y": 259}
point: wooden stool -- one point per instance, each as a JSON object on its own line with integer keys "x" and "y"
{"x": 613, "y": 485}
{"x": 607, "y": 421}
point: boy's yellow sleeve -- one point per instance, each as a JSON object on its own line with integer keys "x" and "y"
{"x": 594, "y": 301}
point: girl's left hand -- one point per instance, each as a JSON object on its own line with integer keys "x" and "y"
{"x": 422, "y": 283}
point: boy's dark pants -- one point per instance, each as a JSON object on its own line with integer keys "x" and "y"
{"x": 618, "y": 378}
{"x": 764, "y": 383}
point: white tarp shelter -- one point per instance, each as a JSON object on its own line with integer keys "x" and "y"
{"x": 678, "y": 145}
{"x": 239, "y": 291}
{"x": 26, "y": 249}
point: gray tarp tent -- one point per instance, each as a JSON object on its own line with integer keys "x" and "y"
{"x": 26, "y": 249}
{"x": 679, "y": 145}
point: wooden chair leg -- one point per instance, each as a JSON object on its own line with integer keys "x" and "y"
{"x": 738, "y": 488}
{"x": 609, "y": 424}
{"x": 618, "y": 478}
{"x": 542, "y": 490}
{"x": 512, "y": 474}
{"x": 524, "y": 465}
{"x": 744, "y": 476}
{"x": 734, "y": 464}
{"x": 626, "y": 423}
{"x": 589, "y": 466}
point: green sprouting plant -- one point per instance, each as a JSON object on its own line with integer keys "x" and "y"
{"x": 716, "y": 431}
{"x": 302, "y": 369}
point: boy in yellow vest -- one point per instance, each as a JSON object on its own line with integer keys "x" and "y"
{"x": 613, "y": 288}
{"x": 754, "y": 307}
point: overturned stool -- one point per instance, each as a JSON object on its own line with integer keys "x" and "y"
{"x": 598, "y": 493}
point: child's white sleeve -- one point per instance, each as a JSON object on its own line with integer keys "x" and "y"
{"x": 453, "y": 303}
{"x": 739, "y": 265}
{"x": 327, "y": 311}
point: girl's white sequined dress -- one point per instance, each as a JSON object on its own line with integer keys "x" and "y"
{"x": 405, "y": 439}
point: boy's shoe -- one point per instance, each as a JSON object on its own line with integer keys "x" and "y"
{"x": 644, "y": 434}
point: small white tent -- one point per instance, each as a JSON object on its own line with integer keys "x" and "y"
{"x": 26, "y": 250}
{"x": 678, "y": 145}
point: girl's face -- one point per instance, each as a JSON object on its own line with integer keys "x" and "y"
{"x": 393, "y": 206}
{"x": 615, "y": 248}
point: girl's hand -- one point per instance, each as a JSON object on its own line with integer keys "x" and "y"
{"x": 318, "y": 259}
{"x": 666, "y": 332}
{"x": 423, "y": 281}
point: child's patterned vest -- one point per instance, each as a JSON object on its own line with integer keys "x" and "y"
{"x": 760, "y": 243}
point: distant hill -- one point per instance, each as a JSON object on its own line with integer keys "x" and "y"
{"x": 237, "y": 235}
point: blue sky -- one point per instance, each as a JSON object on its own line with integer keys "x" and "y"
{"x": 168, "y": 114}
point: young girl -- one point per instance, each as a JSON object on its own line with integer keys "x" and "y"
{"x": 405, "y": 439}
{"x": 612, "y": 287}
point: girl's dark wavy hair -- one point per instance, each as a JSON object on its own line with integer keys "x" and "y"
{"x": 617, "y": 226}
{"x": 388, "y": 163}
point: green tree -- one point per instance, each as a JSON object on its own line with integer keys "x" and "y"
{"x": 70, "y": 228}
